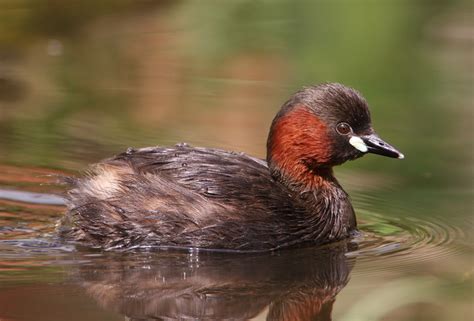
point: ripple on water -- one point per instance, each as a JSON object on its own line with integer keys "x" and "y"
{"x": 407, "y": 238}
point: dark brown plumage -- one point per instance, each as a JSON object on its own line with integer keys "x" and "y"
{"x": 208, "y": 198}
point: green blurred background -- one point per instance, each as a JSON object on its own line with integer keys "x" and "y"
{"x": 82, "y": 80}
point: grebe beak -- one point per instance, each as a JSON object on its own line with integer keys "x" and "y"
{"x": 374, "y": 144}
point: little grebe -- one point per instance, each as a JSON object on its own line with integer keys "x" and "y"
{"x": 208, "y": 198}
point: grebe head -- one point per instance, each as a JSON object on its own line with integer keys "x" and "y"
{"x": 319, "y": 127}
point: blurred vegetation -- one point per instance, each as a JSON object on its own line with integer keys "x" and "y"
{"x": 80, "y": 80}
{"x": 415, "y": 298}
{"x": 24, "y": 20}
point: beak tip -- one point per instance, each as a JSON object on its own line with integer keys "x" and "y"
{"x": 401, "y": 156}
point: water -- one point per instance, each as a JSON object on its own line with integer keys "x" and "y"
{"x": 80, "y": 83}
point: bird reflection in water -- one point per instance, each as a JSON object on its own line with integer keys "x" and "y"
{"x": 299, "y": 284}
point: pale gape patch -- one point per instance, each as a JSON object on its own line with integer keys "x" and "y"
{"x": 104, "y": 181}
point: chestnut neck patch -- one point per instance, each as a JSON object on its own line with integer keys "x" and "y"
{"x": 299, "y": 148}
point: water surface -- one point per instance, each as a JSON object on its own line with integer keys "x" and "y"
{"x": 79, "y": 83}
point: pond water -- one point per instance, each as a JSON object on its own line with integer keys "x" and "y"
{"x": 81, "y": 82}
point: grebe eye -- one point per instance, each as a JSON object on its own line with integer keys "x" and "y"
{"x": 343, "y": 128}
